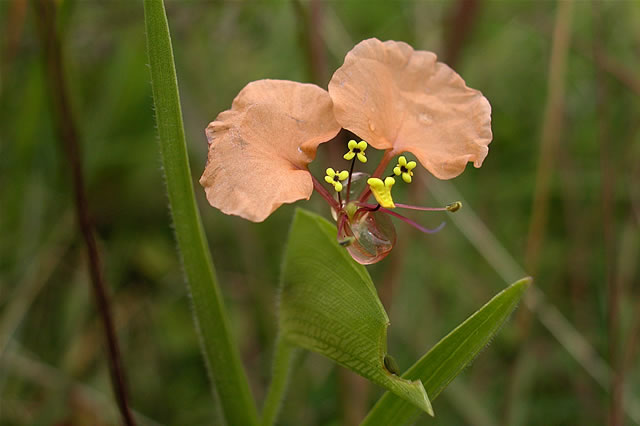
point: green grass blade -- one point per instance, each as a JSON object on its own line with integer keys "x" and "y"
{"x": 283, "y": 358}
{"x": 438, "y": 367}
{"x": 220, "y": 352}
{"x": 329, "y": 305}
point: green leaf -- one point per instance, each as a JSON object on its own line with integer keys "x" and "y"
{"x": 449, "y": 357}
{"x": 329, "y": 305}
{"x": 220, "y": 352}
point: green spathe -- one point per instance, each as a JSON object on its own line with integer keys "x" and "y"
{"x": 329, "y": 305}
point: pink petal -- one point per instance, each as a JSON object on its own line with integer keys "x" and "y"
{"x": 398, "y": 98}
{"x": 260, "y": 148}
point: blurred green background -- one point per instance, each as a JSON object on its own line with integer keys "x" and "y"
{"x": 558, "y": 195}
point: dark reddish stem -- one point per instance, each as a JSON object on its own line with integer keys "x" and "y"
{"x": 365, "y": 208}
{"x": 68, "y": 135}
{"x": 325, "y": 194}
{"x": 459, "y": 25}
{"x": 342, "y": 221}
{"x": 370, "y": 207}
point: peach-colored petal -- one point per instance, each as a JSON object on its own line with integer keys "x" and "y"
{"x": 397, "y": 98}
{"x": 260, "y": 148}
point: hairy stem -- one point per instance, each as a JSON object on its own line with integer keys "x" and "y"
{"x": 218, "y": 346}
{"x": 324, "y": 193}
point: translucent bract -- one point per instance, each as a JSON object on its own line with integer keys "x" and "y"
{"x": 374, "y": 236}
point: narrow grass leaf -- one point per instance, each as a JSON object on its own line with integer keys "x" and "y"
{"x": 438, "y": 367}
{"x": 328, "y": 304}
{"x": 220, "y": 352}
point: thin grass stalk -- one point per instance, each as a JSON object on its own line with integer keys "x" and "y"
{"x": 551, "y": 133}
{"x": 38, "y": 275}
{"x": 219, "y": 349}
{"x": 283, "y": 359}
{"x": 607, "y": 179}
{"x": 35, "y": 371}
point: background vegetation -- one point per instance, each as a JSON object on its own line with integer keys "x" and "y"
{"x": 557, "y": 197}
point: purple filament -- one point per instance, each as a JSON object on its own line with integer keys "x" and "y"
{"x": 370, "y": 207}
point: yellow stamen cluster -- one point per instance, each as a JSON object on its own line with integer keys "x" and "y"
{"x": 382, "y": 191}
{"x": 334, "y": 178}
{"x": 404, "y": 168}
{"x": 356, "y": 148}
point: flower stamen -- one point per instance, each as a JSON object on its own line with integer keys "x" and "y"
{"x": 356, "y": 149}
{"x": 335, "y": 178}
{"x": 382, "y": 191}
{"x": 404, "y": 168}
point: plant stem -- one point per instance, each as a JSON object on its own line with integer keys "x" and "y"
{"x": 325, "y": 194}
{"x": 458, "y": 26}
{"x": 283, "y": 358}
{"x": 219, "y": 349}
{"x": 68, "y": 135}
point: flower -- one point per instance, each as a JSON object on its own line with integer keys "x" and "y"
{"x": 405, "y": 169}
{"x": 356, "y": 148}
{"x": 397, "y": 99}
{"x": 334, "y": 178}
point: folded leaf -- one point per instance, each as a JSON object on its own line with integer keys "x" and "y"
{"x": 449, "y": 357}
{"x": 328, "y": 304}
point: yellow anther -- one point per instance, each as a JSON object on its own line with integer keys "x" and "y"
{"x": 334, "y": 178}
{"x": 382, "y": 191}
{"x": 404, "y": 168}
{"x": 356, "y": 148}
{"x": 454, "y": 207}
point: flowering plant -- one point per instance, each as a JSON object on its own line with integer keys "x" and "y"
{"x": 395, "y": 98}
{"x": 398, "y": 100}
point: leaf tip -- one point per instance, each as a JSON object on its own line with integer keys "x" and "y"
{"x": 427, "y": 407}
{"x": 424, "y": 403}
{"x": 524, "y": 283}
